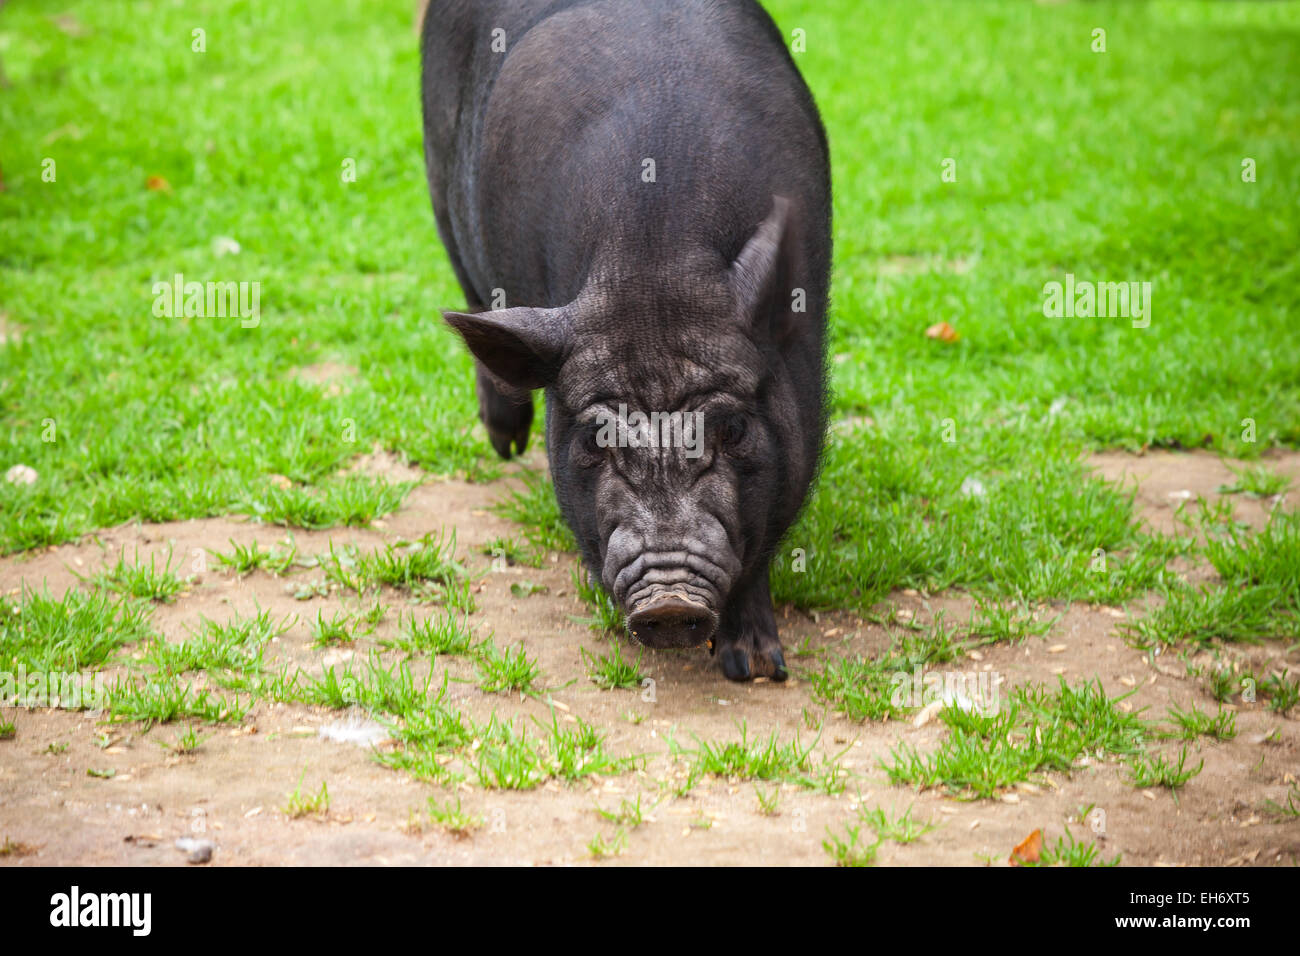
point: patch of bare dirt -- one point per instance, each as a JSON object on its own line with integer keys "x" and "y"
{"x": 334, "y": 376}
{"x": 10, "y": 332}
{"x": 381, "y": 463}
{"x": 1165, "y": 480}
{"x": 233, "y": 789}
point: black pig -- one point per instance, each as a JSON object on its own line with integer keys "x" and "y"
{"x": 639, "y": 192}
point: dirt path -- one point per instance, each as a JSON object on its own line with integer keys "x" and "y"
{"x": 233, "y": 788}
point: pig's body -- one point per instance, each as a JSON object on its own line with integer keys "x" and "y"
{"x": 645, "y": 185}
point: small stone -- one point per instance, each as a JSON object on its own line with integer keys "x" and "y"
{"x": 225, "y": 246}
{"x": 196, "y": 851}
{"x": 21, "y": 475}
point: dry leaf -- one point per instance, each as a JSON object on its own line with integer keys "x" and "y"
{"x": 21, "y": 475}
{"x": 1028, "y": 850}
{"x": 927, "y": 713}
{"x": 158, "y": 184}
{"x": 69, "y": 25}
{"x": 943, "y": 332}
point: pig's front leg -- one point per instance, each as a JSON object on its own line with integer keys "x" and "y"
{"x": 747, "y": 643}
{"x": 507, "y": 413}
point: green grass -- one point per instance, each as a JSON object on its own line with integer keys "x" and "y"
{"x": 630, "y": 813}
{"x": 534, "y": 506}
{"x": 1109, "y": 166}
{"x": 235, "y": 646}
{"x": 992, "y": 622}
{"x": 1289, "y": 810}
{"x": 246, "y": 558}
{"x": 394, "y": 689}
{"x": 425, "y": 570}
{"x": 1256, "y": 482}
{"x": 950, "y": 465}
{"x": 506, "y": 552}
{"x": 151, "y": 583}
{"x": 1157, "y": 770}
{"x": 300, "y": 804}
{"x": 453, "y": 819}
{"x": 1229, "y": 680}
{"x": 80, "y": 630}
{"x": 606, "y": 616}
{"x": 1193, "y": 722}
{"x": 766, "y": 760}
{"x": 1034, "y": 732}
{"x": 1257, "y": 595}
{"x": 186, "y": 744}
{"x": 851, "y": 850}
{"x": 610, "y": 671}
{"x": 900, "y": 829}
{"x": 601, "y": 849}
{"x": 526, "y": 589}
{"x": 1283, "y": 692}
{"x": 439, "y": 633}
{"x": 1069, "y": 851}
{"x": 439, "y": 744}
{"x": 355, "y": 500}
{"x": 878, "y": 686}
{"x": 162, "y": 699}
{"x": 510, "y": 669}
{"x": 508, "y": 759}
{"x": 578, "y": 751}
{"x": 429, "y": 738}
{"x": 339, "y": 628}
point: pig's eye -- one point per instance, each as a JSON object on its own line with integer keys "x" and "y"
{"x": 734, "y": 429}
{"x": 588, "y": 445}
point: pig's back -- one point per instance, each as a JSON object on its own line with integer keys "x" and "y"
{"x": 546, "y": 149}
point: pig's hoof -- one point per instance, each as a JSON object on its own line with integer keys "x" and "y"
{"x": 502, "y": 441}
{"x": 741, "y": 663}
{"x": 770, "y": 663}
{"x": 735, "y": 662}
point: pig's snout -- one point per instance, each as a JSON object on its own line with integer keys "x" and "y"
{"x": 672, "y": 620}
{"x": 671, "y": 585}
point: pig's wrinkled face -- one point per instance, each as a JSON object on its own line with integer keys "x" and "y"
{"x": 661, "y": 468}
{"x": 667, "y": 443}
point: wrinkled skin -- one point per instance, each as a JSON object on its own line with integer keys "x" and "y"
{"x": 699, "y": 287}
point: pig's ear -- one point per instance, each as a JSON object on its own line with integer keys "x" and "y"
{"x": 754, "y": 273}
{"x": 523, "y": 347}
